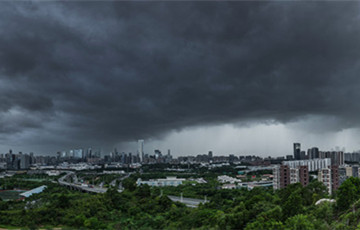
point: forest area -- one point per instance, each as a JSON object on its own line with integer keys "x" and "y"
{"x": 144, "y": 207}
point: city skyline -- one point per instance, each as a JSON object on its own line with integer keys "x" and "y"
{"x": 231, "y": 77}
{"x": 298, "y": 152}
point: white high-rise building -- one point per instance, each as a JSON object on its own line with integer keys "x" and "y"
{"x": 141, "y": 150}
{"x": 324, "y": 176}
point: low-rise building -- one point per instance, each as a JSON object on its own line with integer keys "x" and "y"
{"x": 169, "y": 181}
{"x": 53, "y": 173}
{"x": 33, "y": 191}
{"x": 228, "y": 186}
{"x": 228, "y": 179}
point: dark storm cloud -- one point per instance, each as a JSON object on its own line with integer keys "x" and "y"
{"x": 95, "y": 73}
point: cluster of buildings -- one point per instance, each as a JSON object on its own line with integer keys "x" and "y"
{"x": 129, "y": 158}
{"x": 337, "y": 157}
{"x": 327, "y": 165}
{"x": 79, "y": 154}
{"x": 21, "y": 161}
{"x": 139, "y": 158}
{"x": 209, "y": 158}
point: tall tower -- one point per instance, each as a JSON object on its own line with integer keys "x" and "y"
{"x": 297, "y": 150}
{"x": 141, "y": 150}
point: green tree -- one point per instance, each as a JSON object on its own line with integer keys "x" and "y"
{"x": 263, "y": 224}
{"x": 348, "y": 193}
{"x": 94, "y": 223}
{"x": 129, "y": 184}
{"x": 293, "y": 205}
{"x": 299, "y": 222}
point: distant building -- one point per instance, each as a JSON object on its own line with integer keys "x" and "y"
{"x": 228, "y": 186}
{"x": 294, "y": 175}
{"x": 53, "y": 173}
{"x": 342, "y": 175}
{"x": 330, "y": 178}
{"x": 24, "y": 161}
{"x": 297, "y": 150}
{"x": 169, "y": 181}
{"x": 304, "y": 175}
{"x": 337, "y": 157}
{"x": 141, "y": 150}
{"x": 78, "y": 153}
{"x": 302, "y": 155}
{"x": 210, "y": 154}
{"x": 314, "y": 153}
{"x": 334, "y": 177}
{"x": 352, "y": 157}
{"x": 227, "y": 179}
{"x": 313, "y": 164}
{"x": 324, "y": 176}
{"x": 283, "y": 175}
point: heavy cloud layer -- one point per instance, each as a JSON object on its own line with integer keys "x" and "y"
{"x": 99, "y": 73}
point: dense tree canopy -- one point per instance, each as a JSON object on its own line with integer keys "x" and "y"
{"x": 144, "y": 207}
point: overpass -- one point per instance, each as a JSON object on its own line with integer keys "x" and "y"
{"x": 79, "y": 187}
{"x": 189, "y": 202}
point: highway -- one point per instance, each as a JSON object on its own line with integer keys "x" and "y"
{"x": 92, "y": 189}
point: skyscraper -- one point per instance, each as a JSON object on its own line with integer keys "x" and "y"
{"x": 314, "y": 153}
{"x": 210, "y": 154}
{"x": 297, "y": 151}
{"x": 141, "y": 150}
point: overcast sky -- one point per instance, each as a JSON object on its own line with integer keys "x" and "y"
{"x": 232, "y": 77}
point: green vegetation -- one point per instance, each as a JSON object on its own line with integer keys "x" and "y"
{"x": 10, "y": 195}
{"x": 144, "y": 208}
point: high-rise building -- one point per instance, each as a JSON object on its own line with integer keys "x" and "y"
{"x": 314, "y": 153}
{"x": 78, "y": 153}
{"x": 297, "y": 150}
{"x": 281, "y": 176}
{"x": 352, "y": 157}
{"x": 285, "y": 175}
{"x": 141, "y": 150}
{"x": 330, "y": 178}
{"x": 324, "y": 176}
{"x": 337, "y": 157}
{"x": 157, "y": 153}
{"x": 304, "y": 175}
{"x": 302, "y": 155}
{"x": 335, "y": 177}
{"x": 24, "y": 161}
{"x": 342, "y": 174}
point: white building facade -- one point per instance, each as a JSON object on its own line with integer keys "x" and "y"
{"x": 313, "y": 164}
{"x": 169, "y": 181}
